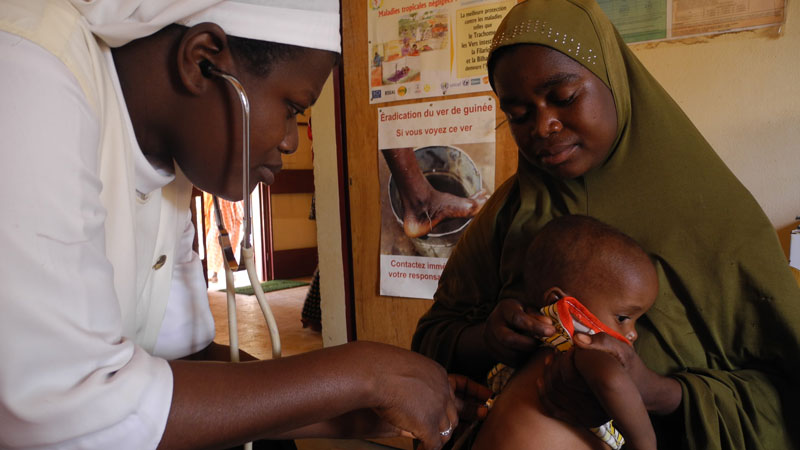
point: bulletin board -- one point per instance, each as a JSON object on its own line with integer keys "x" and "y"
{"x": 379, "y": 318}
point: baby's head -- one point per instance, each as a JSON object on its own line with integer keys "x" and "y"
{"x": 606, "y": 270}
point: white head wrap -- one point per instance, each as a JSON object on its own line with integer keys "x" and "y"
{"x": 305, "y": 23}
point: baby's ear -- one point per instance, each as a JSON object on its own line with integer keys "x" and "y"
{"x": 553, "y": 295}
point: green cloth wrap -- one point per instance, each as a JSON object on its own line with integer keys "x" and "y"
{"x": 726, "y": 323}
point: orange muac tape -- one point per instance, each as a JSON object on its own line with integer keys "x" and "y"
{"x": 565, "y": 313}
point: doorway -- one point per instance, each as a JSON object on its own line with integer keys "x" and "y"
{"x": 284, "y": 238}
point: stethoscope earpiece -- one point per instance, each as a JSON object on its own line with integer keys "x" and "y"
{"x": 206, "y": 68}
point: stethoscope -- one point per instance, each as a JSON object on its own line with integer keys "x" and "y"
{"x": 247, "y": 255}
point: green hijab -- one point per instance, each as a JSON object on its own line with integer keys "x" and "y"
{"x": 726, "y": 323}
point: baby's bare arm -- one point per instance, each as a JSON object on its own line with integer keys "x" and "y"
{"x": 618, "y": 394}
{"x": 518, "y": 422}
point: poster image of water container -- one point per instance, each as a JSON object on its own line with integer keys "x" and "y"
{"x": 448, "y": 169}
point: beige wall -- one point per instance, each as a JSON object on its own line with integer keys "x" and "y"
{"x": 742, "y": 90}
{"x": 291, "y": 227}
{"x": 326, "y": 186}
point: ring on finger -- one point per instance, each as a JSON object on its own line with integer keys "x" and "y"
{"x": 449, "y": 430}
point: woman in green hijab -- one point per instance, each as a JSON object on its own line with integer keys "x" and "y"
{"x": 719, "y": 351}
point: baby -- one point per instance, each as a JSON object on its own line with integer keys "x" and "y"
{"x": 587, "y": 277}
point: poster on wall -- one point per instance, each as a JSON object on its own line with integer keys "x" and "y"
{"x": 649, "y": 20}
{"x": 436, "y": 169}
{"x": 694, "y": 17}
{"x": 420, "y": 49}
{"x": 639, "y": 20}
{"x": 431, "y": 48}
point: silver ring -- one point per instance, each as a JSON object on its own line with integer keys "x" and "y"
{"x": 447, "y": 432}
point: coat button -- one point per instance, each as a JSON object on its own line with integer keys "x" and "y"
{"x": 160, "y": 262}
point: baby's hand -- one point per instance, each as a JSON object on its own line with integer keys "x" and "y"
{"x": 625, "y": 354}
{"x": 660, "y": 393}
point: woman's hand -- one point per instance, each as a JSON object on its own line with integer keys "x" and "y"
{"x": 413, "y": 392}
{"x": 511, "y": 334}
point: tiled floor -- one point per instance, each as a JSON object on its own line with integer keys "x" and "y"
{"x": 286, "y": 306}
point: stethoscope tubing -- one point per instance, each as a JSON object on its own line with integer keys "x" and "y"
{"x": 247, "y": 253}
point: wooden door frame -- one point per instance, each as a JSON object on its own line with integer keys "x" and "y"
{"x": 344, "y": 201}
{"x": 267, "y": 247}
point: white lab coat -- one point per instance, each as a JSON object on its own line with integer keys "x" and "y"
{"x": 99, "y": 284}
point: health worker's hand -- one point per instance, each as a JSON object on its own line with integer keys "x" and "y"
{"x": 471, "y": 398}
{"x": 512, "y": 334}
{"x": 413, "y": 393}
